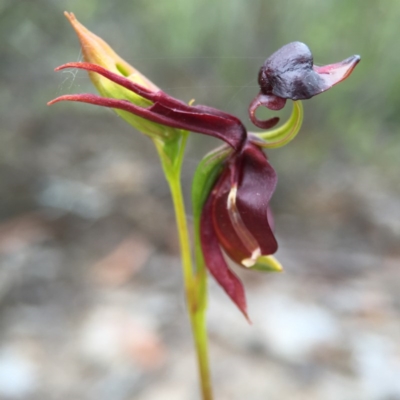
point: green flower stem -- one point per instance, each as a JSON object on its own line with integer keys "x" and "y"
{"x": 198, "y": 321}
{"x": 195, "y": 283}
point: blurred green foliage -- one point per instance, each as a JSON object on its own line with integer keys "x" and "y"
{"x": 211, "y": 51}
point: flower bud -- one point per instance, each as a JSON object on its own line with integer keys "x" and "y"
{"x": 96, "y": 51}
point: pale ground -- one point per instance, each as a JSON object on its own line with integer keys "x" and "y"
{"x": 91, "y": 299}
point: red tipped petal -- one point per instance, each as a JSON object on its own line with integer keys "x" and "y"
{"x": 216, "y": 263}
{"x": 333, "y": 74}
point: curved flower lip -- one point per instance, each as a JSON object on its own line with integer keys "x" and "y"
{"x": 269, "y": 101}
{"x": 290, "y": 73}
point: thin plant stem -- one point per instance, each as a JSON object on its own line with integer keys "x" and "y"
{"x": 194, "y": 282}
{"x": 198, "y": 322}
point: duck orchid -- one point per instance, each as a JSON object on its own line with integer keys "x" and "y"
{"x": 232, "y": 186}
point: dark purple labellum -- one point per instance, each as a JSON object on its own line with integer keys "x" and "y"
{"x": 290, "y": 73}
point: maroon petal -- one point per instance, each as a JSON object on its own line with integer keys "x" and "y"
{"x": 166, "y": 110}
{"x": 270, "y": 217}
{"x": 216, "y": 263}
{"x": 240, "y": 207}
{"x": 232, "y": 235}
{"x": 257, "y": 183}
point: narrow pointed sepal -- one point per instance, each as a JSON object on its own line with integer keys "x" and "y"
{"x": 216, "y": 263}
{"x": 159, "y": 107}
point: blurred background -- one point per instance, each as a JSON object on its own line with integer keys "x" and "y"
{"x": 91, "y": 299}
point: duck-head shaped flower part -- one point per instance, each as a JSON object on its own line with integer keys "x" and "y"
{"x": 233, "y": 186}
{"x": 290, "y": 73}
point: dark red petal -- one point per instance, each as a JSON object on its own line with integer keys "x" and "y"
{"x": 196, "y": 119}
{"x": 243, "y": 228}
{"x": 257, "y": 183}
{"x": 216, "y": 263}
{"x": 227, "y": 234}
{"x": 166, "y": 110}
{"x": 270, "y": 217}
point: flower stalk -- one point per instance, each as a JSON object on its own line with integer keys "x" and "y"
{"x": 195, "y": 282}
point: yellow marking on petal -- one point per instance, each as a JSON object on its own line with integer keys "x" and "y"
{"x": 191, "y": 102}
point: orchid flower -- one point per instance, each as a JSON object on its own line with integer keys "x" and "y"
{"x": 233, "y": 186}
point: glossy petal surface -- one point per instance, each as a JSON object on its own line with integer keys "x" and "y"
{"x": 256, "y": 187}
{"x": 289, "y": 73}
{"x": 215, "y": 261}
{"x": 241, "y": 207}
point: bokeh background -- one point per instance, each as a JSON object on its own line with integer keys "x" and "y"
{"x": 91, "y": 299}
